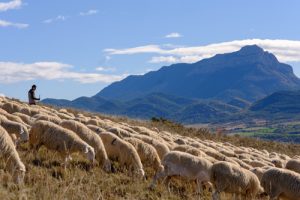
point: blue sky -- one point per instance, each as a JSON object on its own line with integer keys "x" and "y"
{"x": 75, "y": 48}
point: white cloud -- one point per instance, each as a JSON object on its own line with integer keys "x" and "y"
{"x": 136, "y": 50}
{"x": 58, "y": 18}
{"x": 11, "y": 24}
{"x": 164, "y": 59}
{"x": 173, "y": 35}
{"x": 2, "y": 95}
{"x": 15, "y": 4}
{"x": 89, "y": 12}
{"x": 105, "y": 69}
{"x": 284, "y": 50}
{"x": 15, "y": 72}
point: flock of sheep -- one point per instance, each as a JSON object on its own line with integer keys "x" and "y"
{"x": 221, "y": 167}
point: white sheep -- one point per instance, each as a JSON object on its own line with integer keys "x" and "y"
{"x": 46, "y": 117}
{"x": 119, "y": 132}
{"x": 279, "y": 163}
{"x": 230, "y": 178}
{"x": 279, "y": 183}
{"x": 31, "y": 111}
{"x": 259, "y": 171}
{"x": 122, "y": 151}
{"x": 15, "y": 128}
{"x": 12, "y": 117}
{"x": 294, "y": 165}
{"x": 147, "y": 153}
{"x": 160, "y": 146}
{"x": 182, "y": 164}
{"x": 96, "y": 128}
{"x": 91, "y": 138}
{"x": 25, "y": 118}
{"x": 9, "y": 152}
{"x": 58, "y": 139}
{"x": 11, "y": 107}
{"x": 191, "y": 150}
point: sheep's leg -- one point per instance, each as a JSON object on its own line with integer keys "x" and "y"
{"x": 216, "y": 195}
{"x": 167, "y": 182}
{"x": 66, "y": 162}
{"x": 274, "y": 193}
{"x": 199, "y": 188}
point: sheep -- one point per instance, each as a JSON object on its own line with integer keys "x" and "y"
{"x": 190, "y": 150}
{"x": 31, "y": 111}
{"x": 242, "y": 164}
{"x": 278, "y": 163}
{"x": 147, "y": 153}
{"x": 91, "y": 138}
{"x": 228, "y": 153}
{"x": 259, "y": 171}
{"x": 296, "y": 157}
{"x": 215, "y": 154}
{"x": 94, "y": 122}
{"x": 96, "y": 128}
{"x": 124, "y": 152}
{"x": 160, "y": 147}
{"x": 256, "y": 163}
{"x": 180, "y": 141}
{"x": 58, "y": 139}
{"x": 15, "y": 128}
{"x": 11, "y": 107}
{"x": 281, "y": 183}
{"x": 64, "y": 111}
{"x": 182, "y": 164}
{"x": 145, "y": 131}
{"x": 25, "y": 118}
{"x": 12, "y": 117}
{"x": 80, "y": 119}
{"x": 294, "y": 165}
{"x": 55, "y": 120}
{"x": 63, "y": 116}
{"x": 9, "y": 152}
{"x": 227, "y": 177}
{"x": 119, "y": 132}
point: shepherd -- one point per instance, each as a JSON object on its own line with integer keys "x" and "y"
{"x": 31, "y": 96}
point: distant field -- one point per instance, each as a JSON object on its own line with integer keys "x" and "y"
{"x": 284, "y": 132}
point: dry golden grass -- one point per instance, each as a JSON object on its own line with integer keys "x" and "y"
{"x": 46, "y": 178}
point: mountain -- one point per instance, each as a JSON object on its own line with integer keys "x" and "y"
{"x": 250, "y": 74}
{"x": 217, "y": 89}
{"x": 283, "y": 102}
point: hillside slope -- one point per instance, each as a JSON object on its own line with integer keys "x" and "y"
{"x": 46, "y": 177}
{"x": 279, "y": 105}
{"x": 156, "y": 105}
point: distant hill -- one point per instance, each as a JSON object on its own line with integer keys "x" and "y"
{"x": 283, "y": 103}
{"x": 221, "y": 88}
{"x": 250, "y": 74}
{"x": 155, "y": 105}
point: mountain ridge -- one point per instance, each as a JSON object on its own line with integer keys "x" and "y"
{"x": 244, "y": 74}
{"x": 221, "y": 87}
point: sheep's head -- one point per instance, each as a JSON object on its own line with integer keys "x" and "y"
{"x": 277, "y": 163}
{"x": 19, "y": 173}
{"x": 107, "y": 165}
{"x": 90, "y": 153}
{"x": 141, "y": 173}
{"x": 24, "y": 135}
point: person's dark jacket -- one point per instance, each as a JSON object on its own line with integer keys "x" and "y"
{"x": 31, "y": 97}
